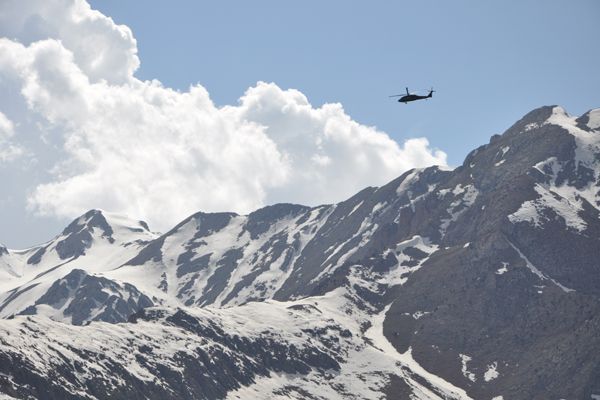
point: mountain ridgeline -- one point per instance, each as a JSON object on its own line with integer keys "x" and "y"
{"x": 480, "y": 282}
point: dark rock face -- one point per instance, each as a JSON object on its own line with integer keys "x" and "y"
{"x": 217, "y": 282}
{"x": 89, "y": 298}
{"x": 187, "y": 266}
{"x": 78, "y": 235}
{"x": 37, "y": 256}
{"x": 209, "y": 223}
{"x": 261, "y": 220}
{"x": 533, "y": 326}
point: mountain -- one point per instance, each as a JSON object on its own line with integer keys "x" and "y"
{"x": 481, "y": 282}
{"x": 52, "y": 274}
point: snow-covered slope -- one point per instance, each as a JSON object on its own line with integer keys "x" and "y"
{"x": 95, "y": 242}
{"x": 225, "y": 258}
{"x": 481, "y": 282}
{"x": 321, "y": 347}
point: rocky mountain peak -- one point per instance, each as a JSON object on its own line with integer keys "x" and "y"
{"x": 88, "y": 223}
{"x": 108, "y": 224}
{"x": 95, "y": 225}
{"x": 590, "y": 120}
{"x": 535, "y": 117}
{"x": 100, "y": 225}
{"x": 543, "y": 136}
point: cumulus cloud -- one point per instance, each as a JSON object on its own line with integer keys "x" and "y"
{"x": 145, "y": 150}
{"x": 102, "y": 49}
{"x": 330, "y": 156}
{"x": 8, "y": 150}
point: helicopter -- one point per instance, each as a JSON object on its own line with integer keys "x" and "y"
{"x": 405, "y": 98}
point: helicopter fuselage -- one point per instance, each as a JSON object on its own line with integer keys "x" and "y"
{"x": 408, "y": 97}
{"x": 413, "y": 97}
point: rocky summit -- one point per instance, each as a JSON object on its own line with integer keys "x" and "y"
{"x": 481, "y": 282}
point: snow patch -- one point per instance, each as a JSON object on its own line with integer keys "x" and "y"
{"x": 466, "y": 198}
{"x": 501, "y": 155}
{"x": 531, "y": 126}
{"x": 409, "y": 180}
{"x": 464, "y": 360}
{"x": 399, "y": 274}
{"x": 492, "y": 372}
{"x": 356, "y": 207}
{"x": 531, "y": 210}
{"x": 378, "y": 207}
{"x": 594, "y": 123}
{"x": 503, "y": 269}
{"x": 419, "y": 314}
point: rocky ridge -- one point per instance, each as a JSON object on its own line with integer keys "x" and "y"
{"x": 480, "y": 282}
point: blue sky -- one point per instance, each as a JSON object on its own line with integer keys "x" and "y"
{"x": 83, "y": 126}
{"x": 490, "y": 62}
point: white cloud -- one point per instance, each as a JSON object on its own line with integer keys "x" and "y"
{"x": 102, "y": 49}
{"x": 141, "y": 149}
{"x": 330, "y": 155}
{"x": 8, "y": 150}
